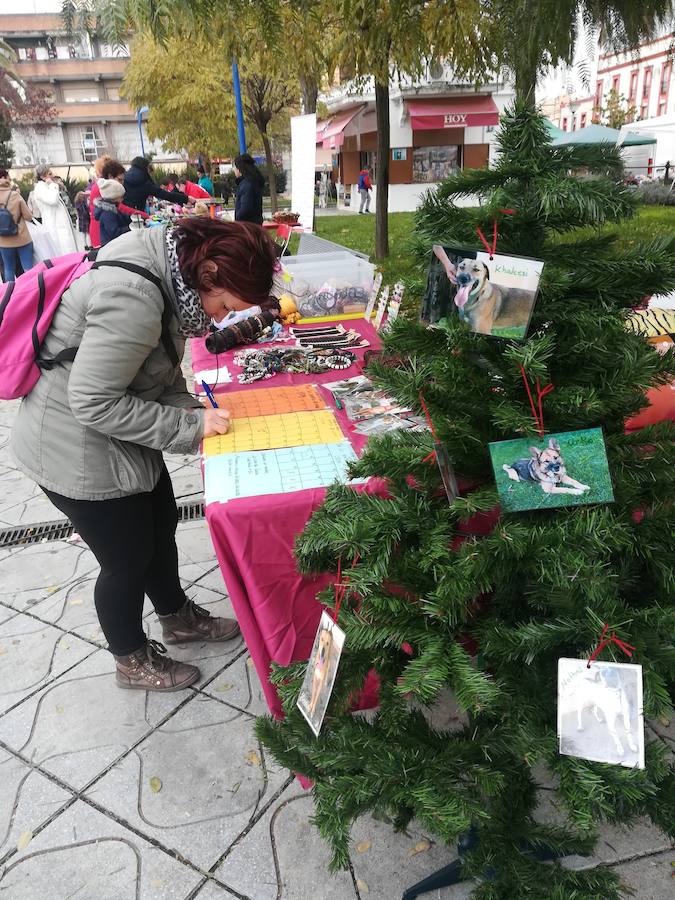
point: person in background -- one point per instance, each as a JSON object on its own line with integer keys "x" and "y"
{"x": 112, "y": 222}
{"x": 249, "y": 201}
{"x": 139, "y": 185}
{"x": 91, "y": 433}
{"x": 365, "y": 186}
{"x": 204, "y": 180}
{"x": 83, "y": 216}
{"x": 34, "y": 206}
{"x": 192, "y": 190}
{"x": 15, "y": 239}
{"x": 94, "y": 234}
{"x": 114, "y": 169}
{"x": 55, "y": 216}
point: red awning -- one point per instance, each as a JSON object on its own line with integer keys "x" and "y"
{"x": 452, "y": 112}
{"x": 330, "y": 133}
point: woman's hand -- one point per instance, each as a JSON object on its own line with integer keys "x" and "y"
{"x": 216, "y": 421}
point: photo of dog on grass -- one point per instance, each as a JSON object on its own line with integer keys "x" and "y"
{"x": 600, "y": 715}
{"x": 321, "y": 672}
{"x": 565, "y": 469}
{"x": 493, "y": 296}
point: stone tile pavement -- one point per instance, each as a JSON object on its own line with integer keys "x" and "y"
{"x": 114, "y": 795}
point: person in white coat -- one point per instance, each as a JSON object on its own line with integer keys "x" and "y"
{"x": 55, "y": 217}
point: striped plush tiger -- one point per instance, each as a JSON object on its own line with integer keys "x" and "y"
{"x": 652, "y": 322}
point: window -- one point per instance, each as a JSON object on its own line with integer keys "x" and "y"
{"x": 647, "y": 84}
{"x": 86, "y": 142}
{"x": 615, "y": 83}
{"x": 632, "y": 93}
{"x": 113, "y": 92}
{"x": 564, "y": 124}
{"x": 582, "y": 123}
{"x": 662, "y": 108}
{"x": 644, "y": 111}
{"x": 574, "y": 123}
{"x": 432, "y": 164}
{"x": 598, "y": 94}
{"x": 665, "y": 77}
{"x": 81, "y": 93}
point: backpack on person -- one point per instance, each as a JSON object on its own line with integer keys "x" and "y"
{"x": 8, "y": 227}
{"x": 27, "y": 307}
{"x": 362, "y": 182}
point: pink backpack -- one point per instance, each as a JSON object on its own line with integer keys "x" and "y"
{"x": 27, "y": 308}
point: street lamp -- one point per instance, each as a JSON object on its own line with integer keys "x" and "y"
{"x": 139, "y": 117}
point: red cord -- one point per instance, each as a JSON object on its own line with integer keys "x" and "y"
{"x": 341, "y": 588}
{"x": 604, "y": 641}
{"x": 541, "y": 393}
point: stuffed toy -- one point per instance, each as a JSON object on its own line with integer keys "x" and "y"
{"x": 288, "y": 310}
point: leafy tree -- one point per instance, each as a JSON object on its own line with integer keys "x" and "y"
{"x": 427, "y": 591}
{"x": 266, "y": 97}
{"x": 188, "y": 87}
{"x": 6, "y": 155}
{"x": 25, "y": 106}
{"x": 616, "y": 111}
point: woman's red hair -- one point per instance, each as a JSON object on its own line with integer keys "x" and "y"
{"x": 244, "y": 255}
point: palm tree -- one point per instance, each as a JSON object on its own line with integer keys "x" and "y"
{"x": 528, "y": 36}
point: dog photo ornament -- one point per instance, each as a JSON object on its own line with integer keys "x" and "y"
{"x": 493, "y": 295}
{"x": 600, "y": 712}
{"x": 565, "y": 469}
{"x": 321, "y": 672}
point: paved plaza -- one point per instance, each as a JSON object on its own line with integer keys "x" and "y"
{"x": 120, "y": 795}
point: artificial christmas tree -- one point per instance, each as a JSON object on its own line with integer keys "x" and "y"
{"x": 452, "y": 596}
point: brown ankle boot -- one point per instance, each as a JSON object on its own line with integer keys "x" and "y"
{"x": 194, "y": 623}
{"x": 148, "y": 669}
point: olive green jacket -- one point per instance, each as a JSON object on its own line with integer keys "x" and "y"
{"x": 95, "y": 429}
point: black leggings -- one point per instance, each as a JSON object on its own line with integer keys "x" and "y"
{"x": 134, "y": 540}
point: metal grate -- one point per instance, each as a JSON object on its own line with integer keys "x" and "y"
{"x": 61, "y": 529}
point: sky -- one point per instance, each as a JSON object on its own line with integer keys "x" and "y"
{"x": 30, "y": 6}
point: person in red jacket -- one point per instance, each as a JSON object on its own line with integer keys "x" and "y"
{"x": 192, "y": 190}
{"x": 109, "y": 168}
{"x": 365, "y": 187}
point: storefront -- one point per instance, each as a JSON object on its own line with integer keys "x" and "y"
{"x": 431, "y": 137}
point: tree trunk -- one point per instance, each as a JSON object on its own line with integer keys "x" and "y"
{"x": 382, "y": 181}
{"x": 271, "y": 175}
{"x": 526, "y": 82}
{"x": 310, "y": 92}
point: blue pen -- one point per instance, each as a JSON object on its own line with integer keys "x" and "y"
{"x": 209, "y": 394}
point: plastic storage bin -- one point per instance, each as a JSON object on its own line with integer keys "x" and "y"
{"x": 328, "y": 284}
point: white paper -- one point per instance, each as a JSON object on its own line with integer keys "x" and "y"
{"x": 375, "y": 290}
{"x": 212, "y": 377}
{"x": 253, "y": 473}
{"x": 322, "y": 667}
{"x": 382, "y": 307}
{"x": 600, "y": 714}
{"x": 303, "y": 161}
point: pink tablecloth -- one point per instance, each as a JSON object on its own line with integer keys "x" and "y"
{"x": 254, "y": 536}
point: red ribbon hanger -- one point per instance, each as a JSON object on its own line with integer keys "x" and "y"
{"x": 340, "y": 586}
{"x": 605, "y": 641}
{"x": 493, "y": 249}
{"x": 538, "y": 416}
{"x": 431, "y": 456}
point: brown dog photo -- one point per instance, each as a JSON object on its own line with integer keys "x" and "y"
{"x": 321, "y": 672}
{"x": 494, "y": 295}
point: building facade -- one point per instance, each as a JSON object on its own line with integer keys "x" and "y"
{"x": 437, "y": 126}
{"x": 84, "y": 76}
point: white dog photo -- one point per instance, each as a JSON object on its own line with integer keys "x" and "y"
{"x": 600, "y": 715}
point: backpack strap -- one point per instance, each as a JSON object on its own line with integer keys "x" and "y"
{"x": 167, "y": 313}
{"x": 68, "y": 355}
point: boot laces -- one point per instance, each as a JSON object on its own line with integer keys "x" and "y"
{"x": 199, "y": 611}
{"x": 156, "y": 653}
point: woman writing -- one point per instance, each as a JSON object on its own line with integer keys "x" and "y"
{"x": 91, "y": 433}
{"x": 15, "y": 239}
{"x": 55, "y": 216}
{"x": 249, "y": 202}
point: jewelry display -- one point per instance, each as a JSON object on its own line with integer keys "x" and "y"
{"x": 260, "y": 364}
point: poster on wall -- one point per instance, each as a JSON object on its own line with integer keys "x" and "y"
{"x": 431, "y": 164}
{"x": 303, "y": 150}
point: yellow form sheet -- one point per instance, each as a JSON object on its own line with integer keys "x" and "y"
{"x": 275, "y": 432}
